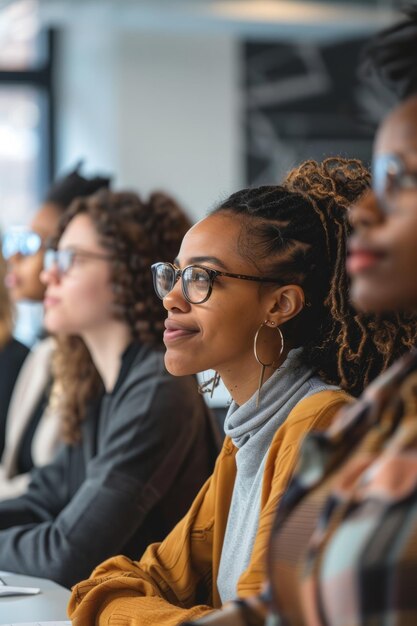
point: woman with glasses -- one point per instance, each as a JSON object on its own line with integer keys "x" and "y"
{"x": 257, "y": 292}
{"x": 12, "y": 353}
{"x": 31, "y": 428}
{"x": 139, "y": 442}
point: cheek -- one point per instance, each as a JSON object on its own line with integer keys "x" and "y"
{"x": 30, "y": 269}
{"x": 93, "y": 296}
{"x": 392, "y": 286}
{"x": 28, "y": 272}
{"x": 85, "y": 303}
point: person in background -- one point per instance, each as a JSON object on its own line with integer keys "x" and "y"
{"x": 140, "y": 443}
{"x": 259, "y": 293}
{"x": 12, "y": 353}
{"x": 31, "y": 428}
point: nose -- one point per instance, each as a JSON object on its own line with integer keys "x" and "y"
{"x": 175, "y": 301}
{"x": 50, "y": 276}
{"x": 366, "y": 212}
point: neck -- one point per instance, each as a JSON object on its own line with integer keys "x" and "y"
{"x": 106, "y": 346}
{"x": 242, "y": 381}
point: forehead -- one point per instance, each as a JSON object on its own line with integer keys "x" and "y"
{"x": 45, "y": 221}
{"x": 398, "y": 133}
{"x": 215, "y": 236}
{"x": 80, "y": 233}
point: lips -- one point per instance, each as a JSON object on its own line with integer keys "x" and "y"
{"x": 362, "y": 258}
{"x": 50, "y": 301}
{"x": 175, "y": 331}
{"x": 11, "y": 281}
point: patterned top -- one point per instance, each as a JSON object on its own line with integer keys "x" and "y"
{"x": 344, "y": 542}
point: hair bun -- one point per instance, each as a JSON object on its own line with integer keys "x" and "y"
{"x": 335, "y": 180}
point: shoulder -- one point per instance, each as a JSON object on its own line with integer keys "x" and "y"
{"x": 12, "y": 358}
{"x": 148, "y": 387}
{"x": 15, "y": 352}
{"x": 41, "y": 352}
{"x": 45, "y": 346}
{"x": 315, "y": 412}
{"x": 319, "y": 404}
{"x": 148, "y": 371}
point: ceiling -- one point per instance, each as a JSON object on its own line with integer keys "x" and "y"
{"x": 245, "y": 18}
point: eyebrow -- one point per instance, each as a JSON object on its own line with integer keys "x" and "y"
{"x": 204, "y": 259}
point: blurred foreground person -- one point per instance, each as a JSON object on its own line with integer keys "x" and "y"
{"x": 32, "y": 428}
{"x": 140, "y": 442}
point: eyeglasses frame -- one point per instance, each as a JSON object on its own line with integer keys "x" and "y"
{"x": 213, "y": 274}
{"x": 74, "y": 253}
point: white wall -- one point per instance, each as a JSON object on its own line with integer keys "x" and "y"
{"x": 159, "y": 110}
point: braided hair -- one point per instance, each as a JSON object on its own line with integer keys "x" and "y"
{"x": 134, "y": 234}
{"x": 299, "y": 231}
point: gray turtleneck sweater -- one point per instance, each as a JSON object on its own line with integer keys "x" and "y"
{"x": 251, "y": 430}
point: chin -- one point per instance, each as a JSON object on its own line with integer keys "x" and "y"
{"x": 17, "y": 295}
{"x": 54, "y": 326}
{"x": 177, "y": 367}
{"x": 367, "y": 300}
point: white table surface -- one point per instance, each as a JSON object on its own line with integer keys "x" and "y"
{"x": 50, "y": 604}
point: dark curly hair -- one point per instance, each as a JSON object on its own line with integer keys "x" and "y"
{"x": 134, "y": 234}
{"x": 299, "y": 231}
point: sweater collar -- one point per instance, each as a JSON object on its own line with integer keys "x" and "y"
{"x": 243, "y": 422}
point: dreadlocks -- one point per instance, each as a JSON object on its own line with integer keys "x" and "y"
{"x": 299, "y": 231}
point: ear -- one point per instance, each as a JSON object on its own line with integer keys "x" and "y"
{"x": 285, "y": 303}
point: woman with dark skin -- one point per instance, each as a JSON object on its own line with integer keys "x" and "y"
{"x": 266, "y": 258}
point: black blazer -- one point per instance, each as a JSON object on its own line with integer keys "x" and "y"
{"x": 143, "y": 456}
{"x": 11, "y": 360}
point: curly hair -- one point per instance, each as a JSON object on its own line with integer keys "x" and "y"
{"x": 299, "y": 231}
{"x": 134, "y": 234}
{"x": 6, "y": 307}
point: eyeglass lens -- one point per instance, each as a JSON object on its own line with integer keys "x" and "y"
{"x": 389, "y": 174}
{"x": 387, "y": 170}
{"x": 19, "y": 241}
{"x": 196, "y": 284}
{"x": 195, "y": 281}
{"x": 61, "y": 258}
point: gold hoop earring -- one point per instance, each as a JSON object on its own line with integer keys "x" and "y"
{"x": 261, "y": 363}
{"x": 210, "y": 385}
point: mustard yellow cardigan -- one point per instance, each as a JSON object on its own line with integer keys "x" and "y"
{"x": 175, "y": 580}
